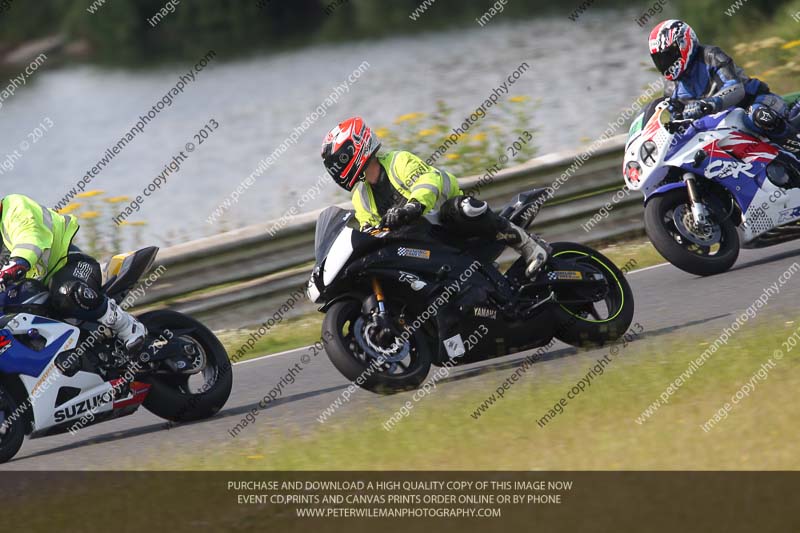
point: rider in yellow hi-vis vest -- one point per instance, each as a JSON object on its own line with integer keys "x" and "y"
{"x": 396, "y": 188}
{"x": 410, "y": 177}
{"x": 38, "y": 244}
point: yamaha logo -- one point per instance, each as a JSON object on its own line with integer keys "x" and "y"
{"x": 485, "y": 312}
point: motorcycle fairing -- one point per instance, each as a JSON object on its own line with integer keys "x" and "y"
{"x": 44, "y": 382}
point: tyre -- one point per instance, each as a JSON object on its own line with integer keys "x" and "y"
{"x": 12, "y": 431}
{"x": 598, "y": 323}
{"x": 355, "y": 349}
{"x": 185, "y": 397}
{"x": 703, "y": 253}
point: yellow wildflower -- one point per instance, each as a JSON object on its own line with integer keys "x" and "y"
{"x": 90, "y": 194}
{"x": 90, "y": 215}
{"x": 118, "y": 199}
{"x": 426, "y": 132}
{"x": 453, "y": 156}
{"x": 71, "y": 208}
{"x": 518, "y": 99}
{"x": 382, "y": 132}
{"x": 133, "y": 223}
{"x": 791, "y": 44}
{"x": 408, "y": 117}
{"x": 480, "y": 137}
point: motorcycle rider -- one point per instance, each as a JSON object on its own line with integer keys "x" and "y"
{"x": 396, "y": 188}
{"x": 707, "y": 81}
{"x": 37, "y": 243}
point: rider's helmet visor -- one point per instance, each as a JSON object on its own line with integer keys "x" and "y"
{"x": 667, "y": 59}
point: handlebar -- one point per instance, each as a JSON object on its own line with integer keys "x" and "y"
{"x": 677, "y": 107}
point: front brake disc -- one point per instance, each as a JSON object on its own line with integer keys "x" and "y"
{"x": 682, "y": 218}
{"x": 364, "y": 335}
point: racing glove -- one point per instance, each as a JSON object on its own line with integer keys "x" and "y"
{"x": 14, "y": 270}
{"x": 698, "y": 109}
{"x": 400, "y": 216}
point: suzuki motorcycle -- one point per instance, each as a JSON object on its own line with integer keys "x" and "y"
{"x": 58, "y": 376}
{"x": 397, "y": 302}
{"x": 710, "y": 187}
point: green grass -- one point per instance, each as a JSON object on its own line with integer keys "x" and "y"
{"x": 292, "y": 333}
{"x": 596, "y": 431}
{"x": 639, "y": 252}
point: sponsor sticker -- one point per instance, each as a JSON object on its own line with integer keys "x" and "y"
{"x": 414, "y": 252}
{"x": 568, "y": 275}
{"x": 454, "y": 346}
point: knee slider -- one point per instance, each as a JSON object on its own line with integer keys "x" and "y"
{"x": 472, "y": 207}
{"x": 80, "y": 294}
{"x": 767, "y": 119}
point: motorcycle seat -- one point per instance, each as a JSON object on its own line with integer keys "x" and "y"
{"x": 518, "y": 210}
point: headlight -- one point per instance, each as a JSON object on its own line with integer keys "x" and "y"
{"x": 633, "y": 172}
{"x": 648, "y": 153}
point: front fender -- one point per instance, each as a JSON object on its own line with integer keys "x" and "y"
{"x": 353, "y": 295}
{"x": 664, "y": 189}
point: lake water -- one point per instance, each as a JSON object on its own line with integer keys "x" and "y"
{"x": 584, "y": 73}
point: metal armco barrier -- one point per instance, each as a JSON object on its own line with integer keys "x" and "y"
{"x": 242, "y": 277}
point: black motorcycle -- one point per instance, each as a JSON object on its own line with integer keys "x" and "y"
{"x": 397, "y": 302}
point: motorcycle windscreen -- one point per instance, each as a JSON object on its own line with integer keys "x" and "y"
{"x": 330, "y": 224}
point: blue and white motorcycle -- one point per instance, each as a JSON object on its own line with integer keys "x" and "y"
{"x": 711, "y": 187}
{"x": 58, "y": 376}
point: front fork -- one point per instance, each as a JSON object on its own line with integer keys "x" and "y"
{"x": 378, "y": 291}
{"x": 382, "y": 319}
{"x": 699, "y": 210}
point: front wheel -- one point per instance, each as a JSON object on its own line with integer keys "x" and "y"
{"x": 365, "y": 355}
{"x": 12, "y": 426}
{"x": 703, "y": 251}
{"x": 603, "y": 320}
{"x": 188, "y": 397}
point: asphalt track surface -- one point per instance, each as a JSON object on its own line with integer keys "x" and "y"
{"x": 668, "y": 302}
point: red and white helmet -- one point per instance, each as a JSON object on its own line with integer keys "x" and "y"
{"x": 346, "y": 151}
{"x": 673, "y": 44}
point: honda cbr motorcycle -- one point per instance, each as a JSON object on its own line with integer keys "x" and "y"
{"x": 58, "y": 376}
{"x": 711, "y": 187}
{"x": 397, "y": 302}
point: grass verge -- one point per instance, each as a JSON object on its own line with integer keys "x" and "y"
{"x": 289, "y": 334}
{"x": 596, "y": 431}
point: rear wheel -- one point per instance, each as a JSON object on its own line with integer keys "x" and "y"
{"x": 602, "y": 321}
{"x": 186, "y": 397}
{"x": 12, "y": 426}
{"x": 703, "y": 251}
{"x": 371, "y": 359}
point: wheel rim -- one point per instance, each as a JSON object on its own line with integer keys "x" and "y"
{"x": 614, "y": 300}
{"x": 199, "y": 382}
{"x": 708, "y": 241}
{"x": 396, "y": 360}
